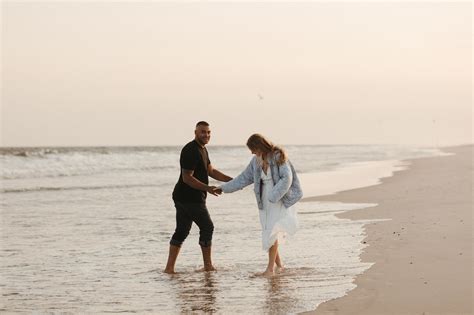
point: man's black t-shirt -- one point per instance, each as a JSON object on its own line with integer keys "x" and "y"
{"x": 196, "y": 158}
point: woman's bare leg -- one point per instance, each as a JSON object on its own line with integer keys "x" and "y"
{"x": 278, "y": 261}
{"x": 272, "y": 252}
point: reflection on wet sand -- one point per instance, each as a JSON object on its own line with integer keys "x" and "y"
{"x": 280, "y": 295}
{"x": 195, "y": 292}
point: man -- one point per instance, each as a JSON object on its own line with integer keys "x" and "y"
{"x": 190, "y": 194}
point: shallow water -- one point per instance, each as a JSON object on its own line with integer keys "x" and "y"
{"x": 89, "y": 231}
{"x": 101, "y": 259}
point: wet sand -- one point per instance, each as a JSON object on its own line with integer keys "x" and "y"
{"x": 423, "y": 255}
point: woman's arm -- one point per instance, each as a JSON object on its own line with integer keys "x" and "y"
{"x": 283, "y": 184}
{"x": 244, "y": 179}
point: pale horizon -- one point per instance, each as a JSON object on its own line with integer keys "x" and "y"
{"x": 142, "y": 74}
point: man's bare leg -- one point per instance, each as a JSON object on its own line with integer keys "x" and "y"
{"x": 206, "y": 257}
{"x": 172, "y": 256}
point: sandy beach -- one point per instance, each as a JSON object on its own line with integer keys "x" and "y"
{"x": 423, "y": 255}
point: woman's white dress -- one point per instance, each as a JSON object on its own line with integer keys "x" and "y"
{"x": 277, "y": 221}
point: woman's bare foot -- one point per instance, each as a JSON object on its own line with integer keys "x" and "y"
{"x": 169, "y": 271}
{"x": 267, "y": 273}
{"x": 280, "y": 269}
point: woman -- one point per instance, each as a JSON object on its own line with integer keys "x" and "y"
{"x": 276, "y": 188}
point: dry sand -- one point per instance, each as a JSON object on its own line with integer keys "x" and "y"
{"x": 423, "y": 255}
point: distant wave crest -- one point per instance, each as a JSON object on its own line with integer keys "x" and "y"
{"x": 36, "y": 189}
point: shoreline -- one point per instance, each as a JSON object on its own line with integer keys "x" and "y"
{"x": 354, "y": 175}
{"x": 348, "y": 177}
{"x": 423, "y": 255}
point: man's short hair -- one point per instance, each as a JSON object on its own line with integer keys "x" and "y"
{"x": 202, "y": 123}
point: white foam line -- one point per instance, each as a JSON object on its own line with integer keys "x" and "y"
{"x": 349, "y": 176}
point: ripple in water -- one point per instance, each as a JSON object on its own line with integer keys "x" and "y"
{"x": 109, "y": 258}
{"x": 87, "y": 231}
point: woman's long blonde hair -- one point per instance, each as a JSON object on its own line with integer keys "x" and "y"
{"x": 257, "y": 142}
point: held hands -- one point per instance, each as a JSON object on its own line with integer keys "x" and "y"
{"x": 216, "y": 191}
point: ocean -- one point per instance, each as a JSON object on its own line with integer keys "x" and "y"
{"x": 86, "y": 230}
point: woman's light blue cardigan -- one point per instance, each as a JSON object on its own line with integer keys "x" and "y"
{"x": 287, "y": 187}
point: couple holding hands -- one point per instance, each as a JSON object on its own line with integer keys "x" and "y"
{"x": 276, "y": 188}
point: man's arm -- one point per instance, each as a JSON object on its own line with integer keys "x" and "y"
{"x": 214, "y": 173}
{"x": 195, "y": 183}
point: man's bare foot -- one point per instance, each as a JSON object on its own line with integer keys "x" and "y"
{"x": 169, "y": 271}
{"x": 207, "y": 268}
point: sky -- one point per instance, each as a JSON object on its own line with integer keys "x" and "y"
{"x": 143, "y": 73}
